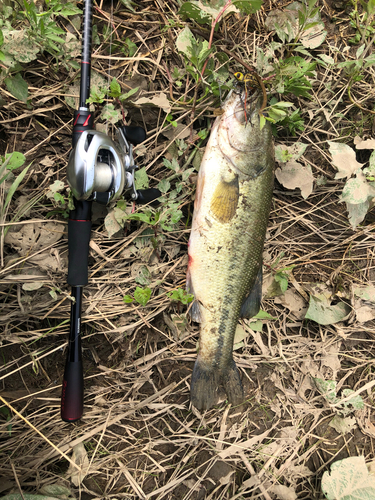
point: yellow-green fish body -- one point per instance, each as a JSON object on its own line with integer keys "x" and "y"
{"x": 231, "y": 211}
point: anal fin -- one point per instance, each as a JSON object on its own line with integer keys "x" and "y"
{"x": 251, "y": 304}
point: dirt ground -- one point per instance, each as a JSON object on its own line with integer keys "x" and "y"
{"x": 141, "y": 436}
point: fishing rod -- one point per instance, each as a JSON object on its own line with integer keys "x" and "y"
{"x": 100, "y": 170}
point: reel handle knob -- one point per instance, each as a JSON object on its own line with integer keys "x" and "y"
{"x": 134, "y": 134}
{"x": 149, "y": 196}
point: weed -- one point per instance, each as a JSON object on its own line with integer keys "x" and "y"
{"x": 180, "y": 295}
{"x": 141, "y": 295}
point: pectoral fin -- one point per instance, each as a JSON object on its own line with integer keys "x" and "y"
{"x": 225, "y": 200}
{"x": 195, "y": 310}
{"x": 251, "y": 304}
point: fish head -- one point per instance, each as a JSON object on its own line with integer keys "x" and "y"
{"x": 241, "y": 140}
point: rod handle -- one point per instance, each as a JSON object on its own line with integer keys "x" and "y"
{"x": 72, "y": 392}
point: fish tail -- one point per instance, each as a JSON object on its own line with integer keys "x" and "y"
{"x": 233, "y": 385}
{"x": 206, "y": 380}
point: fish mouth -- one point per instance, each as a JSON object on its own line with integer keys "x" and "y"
{"x": 239, "y": 132}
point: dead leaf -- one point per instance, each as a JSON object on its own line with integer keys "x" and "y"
{"x": 294, "y": 175}
{"x": 283, "y": 492}
{"x": 343, "y": 158}
{"x": 181, "y": 131}
{"x": 330, "y": 359}
{"x": 364, "y": 143}
{"x": 294, "y": 302}
{"x": 159, "y": 100}
{"x": 343, "y": 425}
{"x": 80, "y": 458}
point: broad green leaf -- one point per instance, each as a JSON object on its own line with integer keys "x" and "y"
{"x": 17, "y": 87}
{"x": 263, "y": 315}
{"x": 185, "y": 41}
{"x": 141, "y": 178}
{"x": 128, "y": 299}
{"x": 327, "y": 389}
{"x": 356, "y": 401}
{"x": 123, "y": 97}
{"x": 144, "y": 276}
{"x": 16, "y": 160}
{"x": 205, "y": 11}
{"x": 349, "y": 479}
{"x": 19, "y": 46}
{"x": 110, "y": 114}
{"x": 115, "y": 89}
{"x": 322, "y": 312}
{"x": 247, "y": 6}
{"x": 142, "y": 295}
{"x": 164, "y": 185}
{"x": 358, "y": 194}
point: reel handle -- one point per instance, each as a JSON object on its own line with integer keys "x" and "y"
{"x": 149, "y": 196}
{"x": 134, "y": 134}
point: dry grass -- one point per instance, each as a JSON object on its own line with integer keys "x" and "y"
{"x": 142, "y": 438}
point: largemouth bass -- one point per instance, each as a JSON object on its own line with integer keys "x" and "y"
{"x": 231, "y": 211}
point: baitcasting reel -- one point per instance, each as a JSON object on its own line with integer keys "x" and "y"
{"x": 101, "y": 170}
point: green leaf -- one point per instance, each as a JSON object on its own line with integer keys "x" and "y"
{"x": 185, "y": 41}
{"x": 141, "y": 178}
{"x": 181, "y": 295}
{"x": 263, "y": 315}
{"x": 322, "y": 312}
{"x": 1, "y": 38}
{"x": 327, "y": 389}
{"x": 115, "y": 89}
{"x": 17, "y": 87}
{"x": 164, "y": 185}
{"x": 110, "y": 114}
{"x": 349, "y": 479}
{"x": 247, "y": 6}
{"x": 128, "y": 299}
{"x": 14, "y": 186}
{"x": 16, "y": 160}
{"x": 142, "y": 295}
{"x": 192, "y": 10}
{"x": 282, "y": 279}
{"x": 130, "y": 47}
{"x": 128, "y": 94}
{"x": 144, "y": 276}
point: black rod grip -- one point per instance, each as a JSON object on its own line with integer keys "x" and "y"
{"x": 72, "y": 388}
{"x": 78, "y": 245}
{"x": 79, "y": 230}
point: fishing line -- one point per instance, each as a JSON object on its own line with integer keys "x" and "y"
{"x": 110, "y": 26}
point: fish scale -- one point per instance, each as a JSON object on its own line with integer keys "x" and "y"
{"x": 231, "y": 210}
